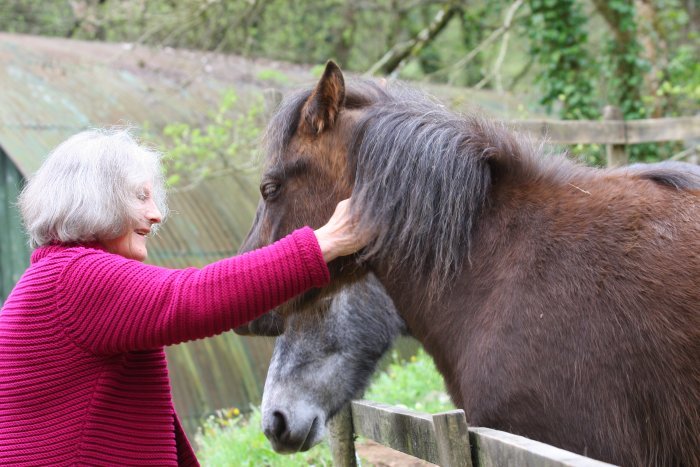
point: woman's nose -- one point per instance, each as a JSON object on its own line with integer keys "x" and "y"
{"x": 153, "y": 214}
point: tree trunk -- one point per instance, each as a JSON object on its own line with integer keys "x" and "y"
{"x": 654, "y": 50}
{"x": 625, "y": 38}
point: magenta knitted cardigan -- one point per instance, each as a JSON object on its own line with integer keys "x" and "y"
{"x": 83, "y": 376}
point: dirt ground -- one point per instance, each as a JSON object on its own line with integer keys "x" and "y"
{"x": 373, "y": 454}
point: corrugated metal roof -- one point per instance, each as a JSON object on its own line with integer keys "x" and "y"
{"x": 50, "y": 88}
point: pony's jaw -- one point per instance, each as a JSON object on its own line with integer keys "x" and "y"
{"x": 344, "y": 272}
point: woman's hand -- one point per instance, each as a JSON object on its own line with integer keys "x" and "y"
{"x": 339, "y": 237}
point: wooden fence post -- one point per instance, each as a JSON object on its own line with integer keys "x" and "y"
{"x": 616, "y": 153}
{"x": 452, "y": 437}
{"x": 341, "y": 438}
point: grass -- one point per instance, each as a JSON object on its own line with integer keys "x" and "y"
{"x": 230, "y": 438}
{"x": 414, "y": 384}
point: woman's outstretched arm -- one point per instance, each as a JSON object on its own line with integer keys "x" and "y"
{"x": 108, "y": 304}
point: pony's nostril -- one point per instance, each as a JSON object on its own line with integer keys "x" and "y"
{"x": 279, "y": 425}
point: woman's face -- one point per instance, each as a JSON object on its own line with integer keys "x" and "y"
{"x": 132, "y": 243}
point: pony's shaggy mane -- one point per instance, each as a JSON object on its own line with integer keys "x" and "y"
{"x": 423, "y": 176}
{"x": 422, "y": 173}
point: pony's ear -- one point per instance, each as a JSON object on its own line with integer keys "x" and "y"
{"x": 323, "y": 105}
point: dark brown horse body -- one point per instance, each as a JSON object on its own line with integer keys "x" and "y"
{"x": 560, "y": 302}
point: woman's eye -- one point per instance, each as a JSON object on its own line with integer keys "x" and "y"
{"x": 143, "y": 195}
{"x": 269, "y": 190}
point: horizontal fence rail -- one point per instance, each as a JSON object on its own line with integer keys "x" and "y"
{"x": 442, "y": 438}
{"x": 498, "y": 448}
{"x": 612, "y": 131}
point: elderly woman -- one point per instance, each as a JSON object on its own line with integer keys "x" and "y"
{"x": 83, "y": 376}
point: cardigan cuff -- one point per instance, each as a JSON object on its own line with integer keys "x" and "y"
{"x": 306, "y": 241}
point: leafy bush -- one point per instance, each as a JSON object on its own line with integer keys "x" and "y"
{"x": 415, "y": 384}
{"x": 227, "y": 140}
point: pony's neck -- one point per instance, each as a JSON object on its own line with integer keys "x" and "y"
{"x": 437, "y": 326}
{"x": 446, "y": 324}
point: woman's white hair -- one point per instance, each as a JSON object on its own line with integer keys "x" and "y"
{"x": 87, "y": 188}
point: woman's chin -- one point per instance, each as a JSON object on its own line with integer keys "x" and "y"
{"x": 137, "y": 249}
{"x": 140, "y": 254}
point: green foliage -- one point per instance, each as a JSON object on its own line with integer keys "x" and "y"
{"x": 226, "y": 141}
{"x": 317, "y": 70}
{"x": 472, "y": 31}
{"x": 559, "y": 40}
{"x": 36, "y": 17}
{"x": 274, "y": 76}
{"x": 230, "y": 438}
{"x": 679, "y": 86}
{"x": 581, "y": 54}
{"x": 415, "y": 384}
{"x": 625, "y": 68}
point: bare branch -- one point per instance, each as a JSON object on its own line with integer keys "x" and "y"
{"x": 403, "y": 50}
{"x": 496, "y": 70}
{"x": 495, "y": 34}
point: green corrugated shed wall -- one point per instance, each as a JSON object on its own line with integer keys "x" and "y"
{"x": 14, "y": 251}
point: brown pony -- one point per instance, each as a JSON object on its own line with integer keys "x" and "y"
{"x": 560, "y": 302}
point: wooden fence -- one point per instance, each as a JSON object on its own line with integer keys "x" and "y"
{"x": 613, "y": 132}
{"x": 443, "y": 439}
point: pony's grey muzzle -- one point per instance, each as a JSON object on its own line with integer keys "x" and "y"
{"x": 292, "y": 433}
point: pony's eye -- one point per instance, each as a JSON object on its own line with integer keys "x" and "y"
{"x": 269, "y": 190}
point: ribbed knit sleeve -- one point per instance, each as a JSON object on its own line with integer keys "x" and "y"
{"x": 109, "y": 304}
